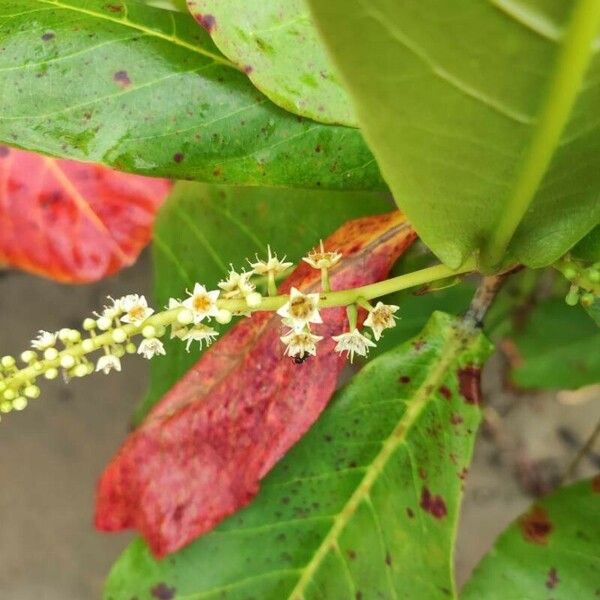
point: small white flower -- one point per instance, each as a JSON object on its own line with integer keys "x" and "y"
{"x": 300, "y": 310}
{"x": 200, "y": 333}
{"x": 271, "y": 265}
{"x": 381, "y": 317}
{"x": 353, "y": 342}
{"x": 150, "y": 347}
{"x": 177, "y": 329}
{"x": 44, "y": 340}
{"x": 135, "y": 308}
{"x": 107, "y": 363}
{"x": 237, "y": 285}
{"x": 202, "y": 303}
{"x": 319, "y": 259}
{"x": 112, "y": 311}
{"x": 301, "y": 343}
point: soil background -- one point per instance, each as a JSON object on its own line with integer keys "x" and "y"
{"x": 52, "y": 454}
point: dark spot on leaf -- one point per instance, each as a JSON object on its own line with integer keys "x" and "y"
{"x": 328, "y": 438}
{"x": 359, "y": 595}
{"x": 285, "y": 500}
{"x": 422, "y": 473}
{"x": 388, "y": 559}
{"x": 122, "y": 78}
{"x": 410, "y": 513}
{"x": 318, "y": 148}
{"x": 463, "y": 474}
{"x": 553, "y": 579}
{"x": 206, "y": 21}
{"x": 47, "y": 36}
{"x": 114, "y": 8}
{"x": 404, "y": 379}
{"x": 445, "y": 391}
{"x": 351, "y": 554}
{"x": 536, "y": 526}
{"x": 163, "y": 592}
{"x": 178, "y": 157}
{"x": 4, "y": 151}
{"x": 468, "y": 384}
{"x": 434, "y": 505}
{"x": 248, "y": 69}
{"x": 456, "y": 419}
{"x": 418, "y": 345}
{"x": 216, "y": 172}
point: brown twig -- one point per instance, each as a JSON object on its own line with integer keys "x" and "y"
{"x": 583, "y": 451}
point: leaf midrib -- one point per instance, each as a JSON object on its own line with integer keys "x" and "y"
{"x": 449, "y": 352}
{"x": 573, "y": 59}
{"x": 173, "y": 39}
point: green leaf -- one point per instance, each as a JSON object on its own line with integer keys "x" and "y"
{"x": 202, "y": 228}
{"x": 588, "y": 249}
{"x": 364, "y": 506}
{"x": 594, "y": 312}
{"x": 549, "y": 552}
{"x": 558, "y": 348}
{"x": 145, "y": 90}
{"x": 482, "y": 116}
{"x": 276, "y": 44}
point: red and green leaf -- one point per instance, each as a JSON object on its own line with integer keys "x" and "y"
{"x": 72, "y": 221}
{"x": 201, "y": 452}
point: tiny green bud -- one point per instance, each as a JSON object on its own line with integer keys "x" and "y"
{"x": 63, "y": 335}
{"x": 7, "y": 362}
{"x": 118, "y": 351}
{"x": 131, "y": 348}
{"x": 570, "y": 272}
{"x": 32, "y": 391}
{"x": 149, "y": 331}
{"x": 2, "y": 386}
{"x": 74, "y": 336}
{"x": 80, "y": 370}
{"x": 254, "y": 300}
{"x": 88, "y": 345}
{"x": 119, "y": 335}
{"x": 89, "y": 324}
{"x": 103, "y": 323}
{"x": 28, "y": 356}
{"x": 51, "y": 373}
{"x": 9, "y": 394}
{"x": 587, "y": 299}
{"x": 5, "y": 407}
{"x": 160, "y": 331}
{"x": 67, "y": 361}
{"x": 223, "y": 316}
{"x": 20, "y": 403}
{"x": 572, "y": 297}
{"x": 51, "y": 354}
{"x": 185, "y": 317}
{"x": 594, "y": 274}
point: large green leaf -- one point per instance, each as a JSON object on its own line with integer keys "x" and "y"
{"x": 202, "y": 228}
{"x": 557, "y": 348}
{"x": 145, "y": 90}
{"x": 549, "y": 552}
{"x": 482, "y": 116}
{"x": 364, "y": 506}
{"x": 277, "y": 45}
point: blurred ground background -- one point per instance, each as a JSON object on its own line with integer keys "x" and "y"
{"x": 52, "y": 454}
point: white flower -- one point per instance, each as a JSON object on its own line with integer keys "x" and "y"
{"x": 200, "y": 333}
{"x": 319, "y": 259}
{"x": 107, "y": 363}
{"x": 112, "y": 310}
{"x": 237, "y": 285}
{"x": 353, "y": 343}
{"x": 135, "y": 308}
{"x": 271, "y": 265}
{"x": 381, "y": 317}
{"x": 301, "y": 343}
{"x": 150, "y": 347}
{"x": 177, "y": 329}
{"x": 300, "y": 310}
{"x": 202, "y": 303}
{"x": 44, "y": 340}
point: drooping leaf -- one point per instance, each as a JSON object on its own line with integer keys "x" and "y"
{"x": 72, "y": 221}
{"x": 588, "y": 249}
{"x": 364, "y": 506}
{"x": 557, "y": 348}
{"x": 276, "y": 44}
{"x": 549, "y": 552}
{"x": 202, "y": 228}
{"x": 202, "y": 450}
{"x": 145, "y": 90}
{"x": 482, "y": 116}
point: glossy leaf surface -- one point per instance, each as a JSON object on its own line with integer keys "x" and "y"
{"x": 145, "y": 90}
{"x": 549, "y": 552}
{"x": 276, "y": 44}
{"x": 202, "y": 450}
{"x": 202, "y": 228}
{"x": 482, "y": 116}
{"x": 364, "y": 506}
{"x": 72, "y": 221}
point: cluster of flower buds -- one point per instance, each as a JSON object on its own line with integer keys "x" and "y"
{"x": 585, "y": 281}
{"x": 111, "y": 332}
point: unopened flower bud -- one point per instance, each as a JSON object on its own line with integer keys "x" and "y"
{"x": 103, "y": 323}
{"x": 88, "y": 345}
{"x": 32, "y": 391}
{"x": 51, "y": 354}
{"x": 67, "y": 361}
{"x": 20, "y": 403}
{"x": 119, "y": 335}
{"x": 51, "y": 374}
{"x": 223, "y": 316}
{"x": 28, "y": 356}
{"x": 254, "y": 300}
{"x": 149, "y": 331}
{"x": 185, "y": 316}
{"x": 7, "y": 362}
{"x": 89, "y": 324}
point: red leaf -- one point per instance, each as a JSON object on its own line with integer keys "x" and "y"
{"x": 201, "y": 452}
{"x": 72, "y": 221}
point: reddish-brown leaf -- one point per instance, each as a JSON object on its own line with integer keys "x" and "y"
{"x": 72, "y": 221}
{"x": 201, "y": 452}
